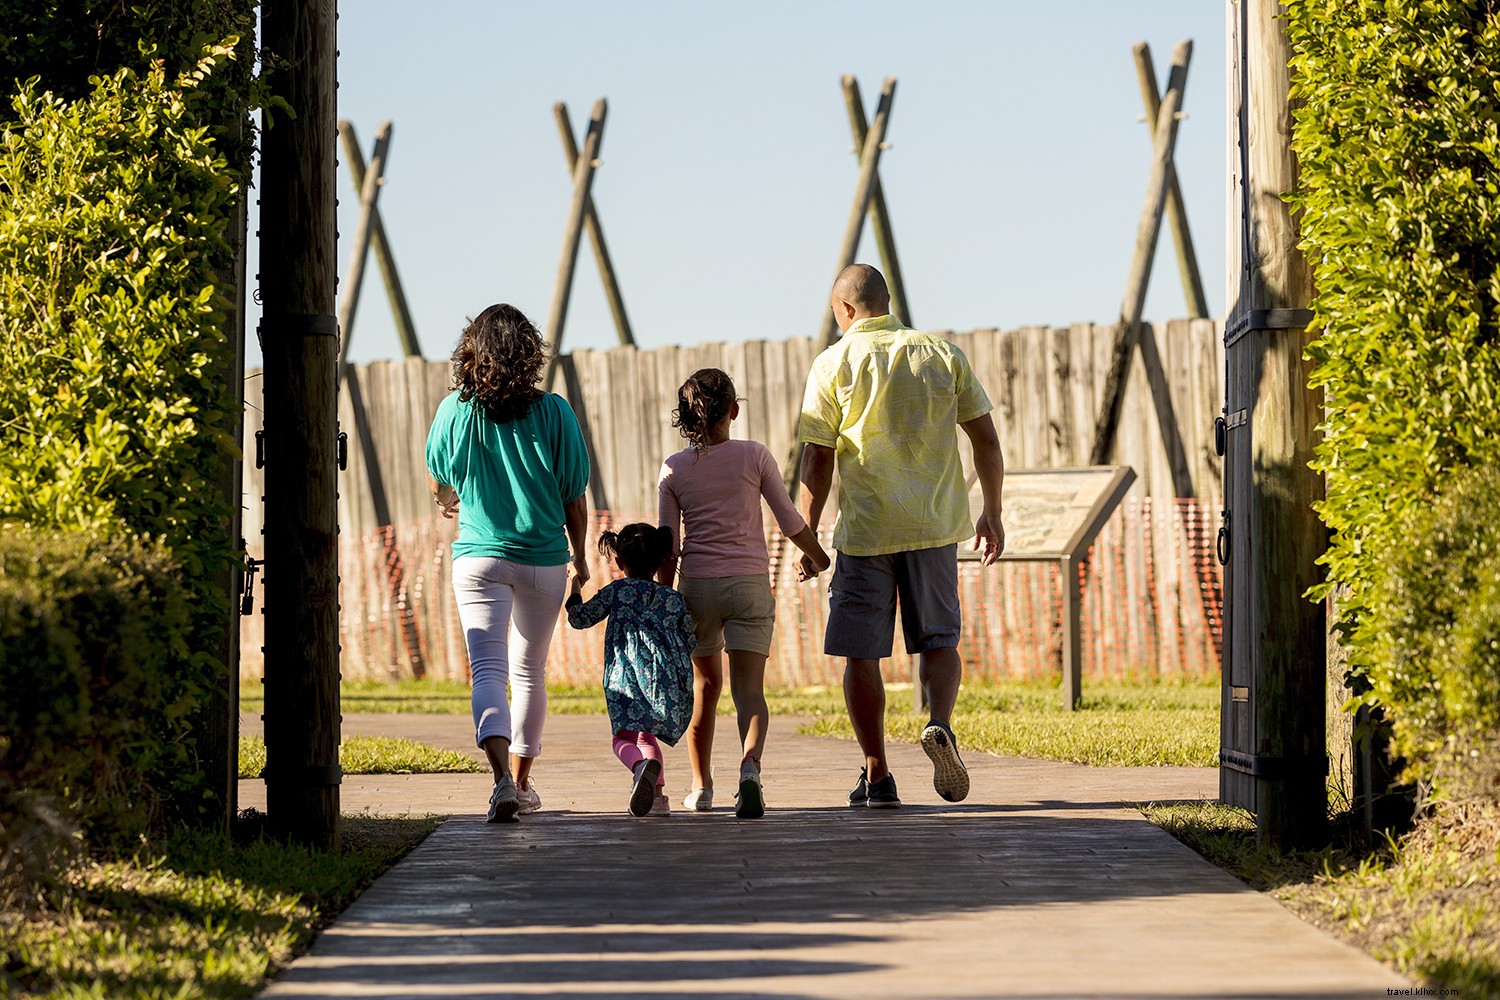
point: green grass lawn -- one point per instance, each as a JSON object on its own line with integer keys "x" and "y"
{"x": 1118, "y": 724}
{"x": 1427, "y": 904}
{"x": 373, "y": 755}
{"x": 198, "y": 917}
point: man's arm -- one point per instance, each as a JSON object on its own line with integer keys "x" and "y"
{"x": 990, "y": 465}
{"x": 817, "y": 481}
{"x": 576, "y": 518}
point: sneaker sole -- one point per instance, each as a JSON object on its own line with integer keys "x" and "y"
{"x": 504, "y": 812}
{"x": 751, "y": 804}
{"x": 644, "y": 792}
{"x": 883, "y": 803}
{"x": 950, "y": 779}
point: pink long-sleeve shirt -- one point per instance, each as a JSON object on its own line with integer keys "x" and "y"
{"x": 710, "y": 498}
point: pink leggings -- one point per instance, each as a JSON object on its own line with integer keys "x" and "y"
{"x": 633, "y": 747}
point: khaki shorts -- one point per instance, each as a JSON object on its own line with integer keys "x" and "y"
{"x": 863, "y": 596}
{"x": 731, "y": 612}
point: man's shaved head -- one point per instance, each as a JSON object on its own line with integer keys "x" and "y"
{"x": 863, "y": 287}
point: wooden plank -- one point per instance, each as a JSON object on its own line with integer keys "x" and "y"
{"x": 1081, "y": 396}
{"x": 1059, "y": 413}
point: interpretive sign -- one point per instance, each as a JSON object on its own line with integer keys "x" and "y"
{"x": 1054, "y": 515}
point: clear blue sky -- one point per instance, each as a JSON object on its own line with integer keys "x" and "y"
{"x": 1015, "y": 176}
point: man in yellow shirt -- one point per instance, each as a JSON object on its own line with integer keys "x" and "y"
{"x": 882, "y": 405}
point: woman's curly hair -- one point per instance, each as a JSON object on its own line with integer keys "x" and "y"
{"x": 499, "y": 361}
{"x": 703, "y": 400}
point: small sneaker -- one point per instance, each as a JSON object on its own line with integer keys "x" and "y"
{"x": 660, "y": 806}
{"x": 882, "y": 793}
{"x": 644, "y": 791}
{"x": 859, "y": 795}
{"x": 504, "y": 803}
{"x": 529, "y": 799}
{"x": 699, "y": 800}
{"x": 949, "y": 776}
{"x": 750, "y": 803}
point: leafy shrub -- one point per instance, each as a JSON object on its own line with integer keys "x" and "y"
{"x": 1436, "y": 617}
{"x": 99, "y": 684}
{"x": 1397, "y": 130}
{"x": 111, "y": 239}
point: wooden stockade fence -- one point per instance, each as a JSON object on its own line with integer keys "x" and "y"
{"x": 1151, "y": 588}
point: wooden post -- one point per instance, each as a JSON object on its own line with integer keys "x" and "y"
{"x": 583, "y": 179}
{"x": 1145, "y": 250}
{"x": 864, "y": 190}
{"x": 1072, "y": 632}
{"x": 1273, "y": 756}
{"x": 880, "y": 220}
{"x": 369, "y": 194}
{"x": 596, "y": 232}
{"x": 299, "y": 340}
{"x": 406, "y": 330}
{"x": 1177, "y": 224}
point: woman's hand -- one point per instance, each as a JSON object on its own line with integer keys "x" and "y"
{"x": 579, "y": 571}
{"x": 446, "y": 497}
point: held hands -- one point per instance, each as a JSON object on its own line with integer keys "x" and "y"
{"x": 989, "y": 532}
{"x": 579, "y": 572}
{"x": 808, "y": 567}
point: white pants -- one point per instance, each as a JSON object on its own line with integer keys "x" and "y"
{"x": 508, "y": 613}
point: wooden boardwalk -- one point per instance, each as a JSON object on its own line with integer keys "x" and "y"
{"x": 1045, "y": 883}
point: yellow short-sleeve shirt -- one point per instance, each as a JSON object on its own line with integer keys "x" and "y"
{"x": 888, "y": 400}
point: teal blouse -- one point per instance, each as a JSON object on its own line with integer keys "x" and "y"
{"x": 512, "y": 479}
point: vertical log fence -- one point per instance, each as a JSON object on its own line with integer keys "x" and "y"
{"x": 1150, "y": 594}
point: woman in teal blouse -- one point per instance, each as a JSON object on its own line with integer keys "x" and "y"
{"x": 508, "y": 460}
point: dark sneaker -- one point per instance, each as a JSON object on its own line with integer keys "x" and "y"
{"x": 859, "y": 795}
{"x": 949, "y": 776}
{"x": 504, "y": 802}
{"x": 750, "y": 803}
{"x": 643, "y": 794}
{"x": 883, "y": 793}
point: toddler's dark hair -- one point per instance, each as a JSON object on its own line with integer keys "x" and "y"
{"x": 703, "y": 400}
{"x": 640, "y": 548}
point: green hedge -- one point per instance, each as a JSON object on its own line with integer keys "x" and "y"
{"x": 1436, "y": 617}
{"x": 99, "y": 686}
{"x": 1396, "y": 111}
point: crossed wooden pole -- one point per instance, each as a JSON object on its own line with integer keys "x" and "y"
{"x": 582, "y": 216}
{"x": 869, "y": 199}
{"x": 1168, "y": 114}
{"x": 369, "y": 234}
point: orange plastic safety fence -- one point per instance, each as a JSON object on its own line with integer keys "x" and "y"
{"x": 1152, "y": 607}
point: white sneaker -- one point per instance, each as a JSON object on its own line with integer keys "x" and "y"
{"x": 699, "y": 800}
{"x": 750, "y": 803}
{"x": 529, "y": 800}
{"x": 660, "y": 806}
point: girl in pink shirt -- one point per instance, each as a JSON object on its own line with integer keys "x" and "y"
{"x": 709, "y": 495}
